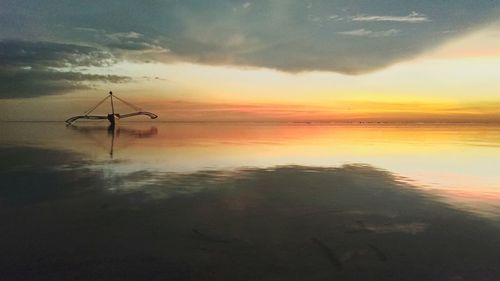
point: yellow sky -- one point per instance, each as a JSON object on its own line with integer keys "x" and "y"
{"x": 458, "y": 81}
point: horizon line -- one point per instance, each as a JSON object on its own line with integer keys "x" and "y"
{"x": 496, "y": 122}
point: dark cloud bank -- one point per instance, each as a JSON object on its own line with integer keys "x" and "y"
{"x": 350, "y": 37}
{"x": 32, "y": 68}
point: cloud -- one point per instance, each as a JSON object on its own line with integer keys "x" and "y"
{"x": 335, "y": 17}
{"x": 51, "y": 54}
{"x": 30, "y": 69}
{"x": 290, "y": 36}
{"x": 413, "y": 17}
{"x": 369, "y": 33}
{"x": 129, "y": 41}
{"x": 25, "y": 83}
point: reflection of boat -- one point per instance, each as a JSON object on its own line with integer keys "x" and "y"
{"x": 112, "y": 117}
{"x": 113, "y": 133}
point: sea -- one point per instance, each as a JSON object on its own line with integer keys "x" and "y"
{"x": 249, "y": 201}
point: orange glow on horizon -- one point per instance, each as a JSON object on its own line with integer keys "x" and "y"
{"x": 458, "y": 82}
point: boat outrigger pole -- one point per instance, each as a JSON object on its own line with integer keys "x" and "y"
{"x": 112, "y": 117}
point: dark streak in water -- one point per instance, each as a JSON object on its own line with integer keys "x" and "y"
{"x": 328, "y": 252}
{"x": 321, "y": 212}
{"x": 209, "y": 237}
{"x": 361, "y": 228}
{"x": 381, "y": 255}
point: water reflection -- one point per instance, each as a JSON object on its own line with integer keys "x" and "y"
{"x": 408, "y": 151}
{"x": 460, "y": 162}
{"x": 353, "y": 222}
{"x": 249, "y": 202}
{"x": 96, "y": 133}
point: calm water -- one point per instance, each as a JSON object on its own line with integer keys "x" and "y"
{"x": 160, "y": 201}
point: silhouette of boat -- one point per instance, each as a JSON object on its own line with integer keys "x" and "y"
{"x": 111, "y": 117}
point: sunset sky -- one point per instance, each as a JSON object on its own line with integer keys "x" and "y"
{"x": 263, "y": 60}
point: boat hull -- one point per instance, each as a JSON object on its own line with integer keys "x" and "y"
{"x": 113, "y": 118}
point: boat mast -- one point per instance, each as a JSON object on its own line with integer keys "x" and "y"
{"x": 112, "y": 106}
{"x": 112, "y": 116}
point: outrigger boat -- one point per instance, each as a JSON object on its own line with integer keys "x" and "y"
{"x": 112, "y": 117}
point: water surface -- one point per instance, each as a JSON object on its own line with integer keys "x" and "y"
{"x": 226, "y": 201}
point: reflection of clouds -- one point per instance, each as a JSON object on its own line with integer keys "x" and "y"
{"x": 440, "y": 156}
{"x": 345, "y": 189}
{"x": 219, "y": 223}
{"x": 409, "y": 228}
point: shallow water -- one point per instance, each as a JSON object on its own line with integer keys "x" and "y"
{"x": 226, "y": 201}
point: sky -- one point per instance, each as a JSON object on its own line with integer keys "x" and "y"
{"x": 269, "y": 60}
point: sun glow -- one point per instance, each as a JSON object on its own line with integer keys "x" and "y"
{"x": 459, "y": 81}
